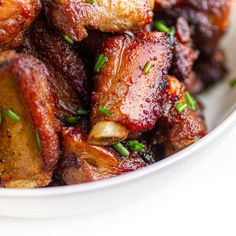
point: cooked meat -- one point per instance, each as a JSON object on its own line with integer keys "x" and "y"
{"x": 184, "y": 128}
{"x": 126, "y": 88}
{"x": 73, "y": 17}
{"x": 63, "y": 57}
{"x": 96, "y": 89}
{"x": 184, "y": 54}
{"x": 29, "y": 144}
{"x": 208, "y": 20}
{"x": 15, "y": 17}
{"x": 82, "y": 162}
{"x": 69, "y": 73}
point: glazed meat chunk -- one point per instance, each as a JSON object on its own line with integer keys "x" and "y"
{"x": 184, "y": 54}
{"x": 73, "y": 17}
{"x": 15, "y": 17}
{"x": 127, "y": 91}
{"x": 29, "y": 143}
{"x": 179, "y": 127}
{"x": 69, "y": 76}
{"x": 208, "y": 20}
{"x": 82, "y": 162}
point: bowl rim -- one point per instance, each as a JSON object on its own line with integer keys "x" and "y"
{"x": 119, "y": 180}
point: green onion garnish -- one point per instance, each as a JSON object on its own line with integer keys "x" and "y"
{"x": 68, "y": 39}
{"x": 91, "y": 1}
{"x": 121, "y": 149}
{"x": 0, "y": 116}
{"x": 12, "y": 115}
{"x": 135, "y": 145}
{"x": 0, "y": 174}
{"x": 147, "y": 67}
{"x": 172, "y": 31}
{"x": 100, "y": 63}
{"x": 38, "y": 140}
{"x": 161, "y": 26}
{"x": 180, "y": 107}
{"x": 105, "y": 111}
{"x": 191, "y": 101}
{"x": 233, "y": 83}
{"x": 82, "y": 112}
{"x": 71, "y": 119}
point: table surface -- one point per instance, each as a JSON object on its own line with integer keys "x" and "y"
{"x": 200, "y": 201}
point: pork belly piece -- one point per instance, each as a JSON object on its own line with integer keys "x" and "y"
{"x": 15, "y": 17}
{"x": 82, "y": 162}
{"x": 63, "y": 57}
{"x": 73, "y": 17}
{"x": 208, "y": 19}
{"x": 69, "y": 75}
{"x": 184, "y": 54}
{"x": 182, "y": 127}
{"x": 29, "y": 144}
{"x": 127, "y": 93}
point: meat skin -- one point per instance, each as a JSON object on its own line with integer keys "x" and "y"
{"x": 73, "y": 17}
{"x": 122, "y": 86}
{"x": 29, "y": 81}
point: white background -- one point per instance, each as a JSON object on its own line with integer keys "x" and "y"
{"x": 199, "y": 201}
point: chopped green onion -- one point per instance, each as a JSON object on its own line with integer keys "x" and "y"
{"x": 0, "y": 116}
{"x": 161, "y": 26}
{"x": 147, "y": 67}
{"x": 105, "y": 111}
{"x": 82, "y": 112}
{"x": 12, "y": 115}
{"x": 180, "y": 107}
{"x": 38, "y": 140}
{"x": 233, "y": 83}
{"x": 71, "y": 119}
{"x": 0, "y": 174}
{"x": 91, "y": 1}
{"x": 68, "y": 39}
{"x": 191, "y": 101}
{"x": 121, "y": 149}
{"x": 135, "y": 145}
{"x": 100, "y": 63}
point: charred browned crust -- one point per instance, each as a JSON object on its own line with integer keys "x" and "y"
{"x": 68, "y": 72}
{"x": 63, "y": 58}
{"x": 208, "y": 20}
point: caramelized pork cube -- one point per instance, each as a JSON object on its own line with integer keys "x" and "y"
{"x": 29, "y": 144}
{"x": 184, "y": 54}
{"x": 15, "y": 17}
{"x": 73, "y": 17}
{"x": 208, "y": 20}
{"x": 53, "y": 48}
{"x": 128, "y": 85}
{"x": 180, "y": 114}
{"x": 82, "y": 162}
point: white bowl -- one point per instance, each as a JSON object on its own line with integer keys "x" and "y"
{"x": 79, "y": 199}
